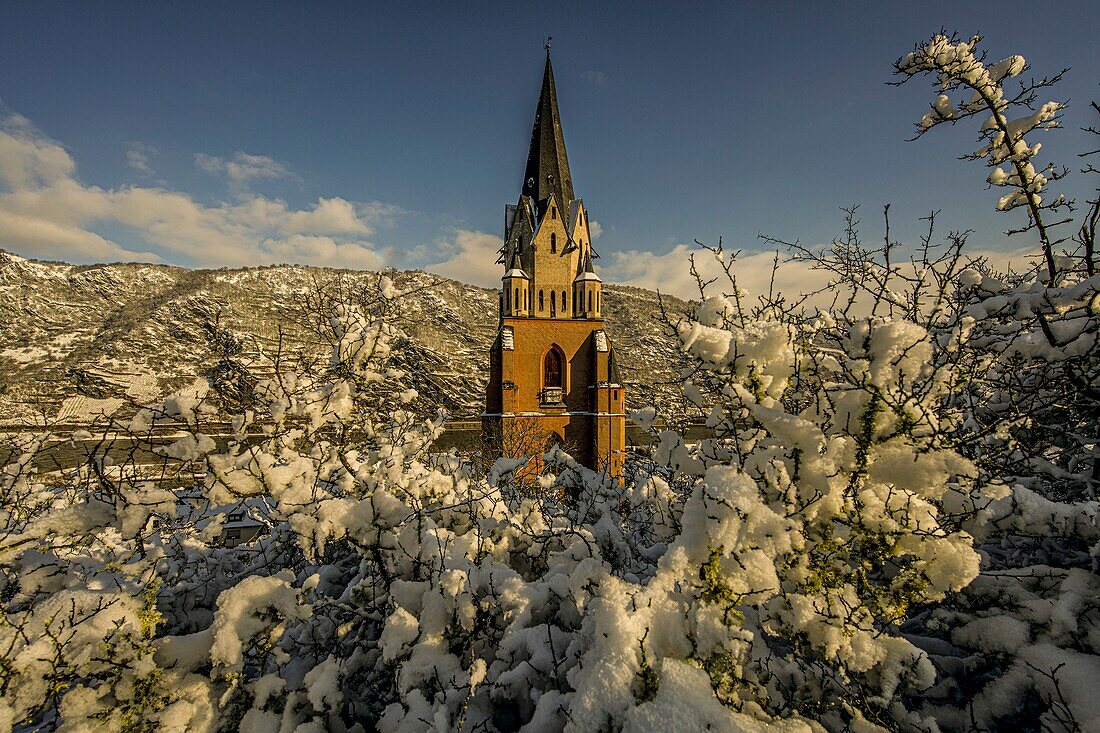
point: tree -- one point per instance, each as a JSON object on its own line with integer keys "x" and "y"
{"x": 958, "y": 67}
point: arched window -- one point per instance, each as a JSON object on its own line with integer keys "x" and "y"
{"x": 526, "y": 298}
{"x": 553, "y": 213}
{"x": 597, "y": 301}
{"x": 516, "y": 298}
{"x": 563, "y": 301}
{"x": 553, "y": 303}
{"x": 552, "y": 369}
{"x": 505, "y": 298}
{"x": 553, "y": 242}
{"x": 542, "y": 305}
{"x": 589, "y": 300}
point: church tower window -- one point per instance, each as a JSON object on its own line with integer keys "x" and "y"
{"x": 553, "y": 243}
{"x": 553, "y": 303}
{"x": 552, "y": 369}
{"x": 542, "y": 304}
{"x": 563, "y": 301}
{"x": 589, "y": 300}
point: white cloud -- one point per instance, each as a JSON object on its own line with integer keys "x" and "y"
{"x": 45, "y": 211}
{"x": 1019, "y": 260}
{"x": 242, "y": 169}
{"x": 27, "y": 159}
{"x": 594, "y": 77}
{"x": 471, "y": 258}
{"x": 595, "y": 230}
{"x": 53, "y": 240}
{"x": 138, "y": 155}
{"x": 670, "y": 273}
{"x": 322, "y": 251}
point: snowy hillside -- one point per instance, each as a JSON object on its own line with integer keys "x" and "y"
{"x": 79, "y": 339}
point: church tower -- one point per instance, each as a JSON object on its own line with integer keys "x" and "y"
{"x": 552, "y": 376}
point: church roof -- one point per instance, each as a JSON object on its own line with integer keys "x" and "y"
{"x": 574, "y": 213}
{"x": 547, "y": 173}
{"x": 518, "y": 229}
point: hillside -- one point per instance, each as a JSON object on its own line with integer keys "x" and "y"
{"x": 73, "y": 336}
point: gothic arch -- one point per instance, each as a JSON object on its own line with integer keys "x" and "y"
{"x": 554, "y": 368}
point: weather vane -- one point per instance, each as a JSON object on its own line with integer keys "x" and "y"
{"x": 548, "y": 39}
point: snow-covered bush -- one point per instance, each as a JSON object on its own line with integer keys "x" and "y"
{"x": 1016, "y": 648}
{"x": 830, "y": 432}
{"x": 79, "y": 590}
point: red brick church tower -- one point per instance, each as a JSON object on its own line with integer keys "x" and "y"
{"x": 552, "y": 374}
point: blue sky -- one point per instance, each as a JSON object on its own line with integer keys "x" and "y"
{"x": 683, "y": 121}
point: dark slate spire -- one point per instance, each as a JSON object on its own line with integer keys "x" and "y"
{"x": 547, "y": 171}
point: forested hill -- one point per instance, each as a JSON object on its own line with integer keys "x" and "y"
{"x": 133, "y": 332}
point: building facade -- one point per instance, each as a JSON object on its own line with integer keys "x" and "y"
{"x": 552, "y": 376}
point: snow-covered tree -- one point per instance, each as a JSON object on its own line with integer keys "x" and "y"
{"x": 959, "y": 66}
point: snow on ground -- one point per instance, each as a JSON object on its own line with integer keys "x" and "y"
{"x": 86, "y": 409}
{"x": 26, "y": 354}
